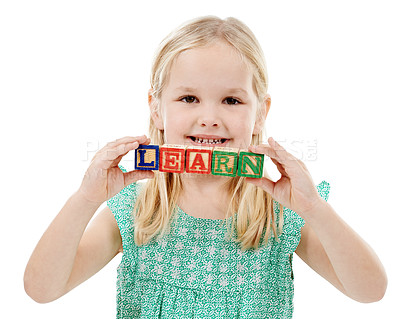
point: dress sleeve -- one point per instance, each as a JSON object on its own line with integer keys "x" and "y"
{"x": 292, "y": 222}
{"x": 121, "y": 206}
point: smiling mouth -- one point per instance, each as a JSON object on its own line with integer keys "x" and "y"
{"x": 208, "y": 140}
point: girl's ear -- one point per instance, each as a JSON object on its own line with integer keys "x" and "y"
{"x": 155, "y": 111}
{"x": 261, "y": 117}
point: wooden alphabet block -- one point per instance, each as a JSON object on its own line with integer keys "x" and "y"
{"x": 224, "y": 161}
{"x": 147, "y": 157}
{"x": 201, "y": 160}
{"x": 250, "y": 164}
{"x": 198, "y": 159}
{"x": 172, "y": 158}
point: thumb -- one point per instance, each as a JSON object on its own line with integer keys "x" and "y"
{"x": 266, "y": 184}
{"x": 136, "y": 175}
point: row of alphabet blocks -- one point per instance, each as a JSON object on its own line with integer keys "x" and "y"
{"x": 201, "y": 160}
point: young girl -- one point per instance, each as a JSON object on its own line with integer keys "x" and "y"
{"x": 194, "y": 245}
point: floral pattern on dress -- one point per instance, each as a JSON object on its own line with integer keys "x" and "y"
{"x": 194, "y": 271}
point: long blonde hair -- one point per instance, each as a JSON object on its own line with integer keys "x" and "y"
{"x": 156, "y": 203}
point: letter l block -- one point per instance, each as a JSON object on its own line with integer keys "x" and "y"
{"x": 147, "y": 157}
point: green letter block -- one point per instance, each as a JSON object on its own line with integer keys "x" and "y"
{"x": 250, "y": 164}
{"x": 224, "y": 161}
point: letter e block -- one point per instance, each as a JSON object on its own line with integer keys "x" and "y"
{"x": 250, "y": 164}
{"x": 172, "y": 158}
{"x": 224, "y": 161}
{"x": 198, "y": 160}
{"x": 147, "y": 157}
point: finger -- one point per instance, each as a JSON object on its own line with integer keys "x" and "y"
{"x": 280, "y": 168}
{"x": 275, "y": 151}
{"x": 116, "y": 161}
{"x": 111, "y": 156}
{"x": 127, "y": 139}
{"x": 119, "y": 151}
{"x": 127, "y": 150}
{"x": 124, "y": 141}
{"x": 147, "y": 142}
{"x": 281, "y": 151}
{"x": 266, "y": 184}
{"x": 264, "y": 149}
{"x": 282, "y": 154}
{"x": 130, "y": 139}
{"x": 291, "y": 165}
{"x": 267, "y": 150}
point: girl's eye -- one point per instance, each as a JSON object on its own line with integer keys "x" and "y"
{"x": 192, "y": 99}
{"x": 232, "y": 101}
{"x": 188, "y": 99}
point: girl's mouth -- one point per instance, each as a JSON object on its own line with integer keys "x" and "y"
{"x": 208, "y": 141}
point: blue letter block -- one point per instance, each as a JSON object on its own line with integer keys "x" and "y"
{"x": 147, "y": 157}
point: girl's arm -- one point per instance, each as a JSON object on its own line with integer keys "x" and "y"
{"x": 328, "y": 244}
{"x": 336, "y": 252}
{"x": 67, "y": 254}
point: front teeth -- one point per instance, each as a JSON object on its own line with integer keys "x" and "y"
{"x": 208, "y": 141}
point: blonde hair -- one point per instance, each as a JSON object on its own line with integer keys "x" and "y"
{"x": 156, "y": 204}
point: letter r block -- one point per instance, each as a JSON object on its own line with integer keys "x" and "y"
{"x": 250, "y": 164}
{"x": 147, "y": 157}
{"x": 172, "y": 158}
{"x": 198, "y": 160}
{"x": 224, "y": 161}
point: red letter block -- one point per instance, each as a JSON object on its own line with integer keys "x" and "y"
{"x": 172, "y": 158}
{"x": 198, "y": 160}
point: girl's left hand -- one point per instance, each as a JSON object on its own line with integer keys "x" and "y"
{"x": 295, "y": 189}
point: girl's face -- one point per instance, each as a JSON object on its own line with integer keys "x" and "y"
{"x": 209, "y": 100}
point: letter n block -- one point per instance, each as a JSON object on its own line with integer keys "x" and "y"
{"x": 198, "y": 160}
{"x": 250, "y": 164}
{"x": 224, "y": 161}
{"x": 172, "y": 158}
{"x": 147, "y": 157}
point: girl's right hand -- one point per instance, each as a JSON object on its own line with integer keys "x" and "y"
{"x": 104, "y": 179}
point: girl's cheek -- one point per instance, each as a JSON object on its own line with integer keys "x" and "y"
{"x": 243, "y": 124}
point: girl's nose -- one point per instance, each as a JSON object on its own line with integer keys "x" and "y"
{"x": 209, "y": 121}
{"x": 209, "y": 117}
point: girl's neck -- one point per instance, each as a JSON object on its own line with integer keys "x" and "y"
{"x": 205, "y": 196}
{"x": 205, "y": 184}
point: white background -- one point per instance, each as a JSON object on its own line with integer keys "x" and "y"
{"x": 75, "y": 74}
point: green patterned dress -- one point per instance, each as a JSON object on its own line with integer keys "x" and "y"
{"x": 194, "y": 272}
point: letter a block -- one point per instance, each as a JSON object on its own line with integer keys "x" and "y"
{"x": 198, "y": 160}
{"x": 172, "y": 158}
{"x": 147, "y": 157}
{"x": 224, "y": 161}
{"x": 250, "y": 164}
